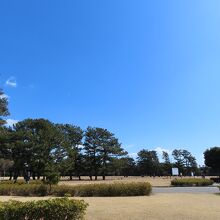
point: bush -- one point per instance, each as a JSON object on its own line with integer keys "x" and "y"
{"x": 59, "y": 209}
{"x": 191, "y": 182}
{"x": 114, "y": 189}
{"x": 23, "y": 189}
{"x": 20, "y": 182}
{"x": 62, "y": 190}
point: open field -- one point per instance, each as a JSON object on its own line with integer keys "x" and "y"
{"x": 157, "y": 181}
{"x": 155, "y": 207}
{"x": 154, "y": 181}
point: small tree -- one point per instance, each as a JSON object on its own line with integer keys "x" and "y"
{"x": 52, "y": 176}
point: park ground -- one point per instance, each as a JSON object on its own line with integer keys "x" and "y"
{"x": 158, "y": 206}
{"x": 154, "y": 181}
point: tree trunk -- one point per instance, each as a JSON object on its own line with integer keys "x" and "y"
{"x": 90, "y": 178}
{"x": 33, "y": 176}
{"x": 10, "y": 178}
{"x": 103, "y": 177}
{"x": 79, "y": 177}
{"x": 15, "y": 178}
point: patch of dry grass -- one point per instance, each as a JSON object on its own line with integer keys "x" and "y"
{"x": 154, "y": 181}
{"x": 156, "y": 207}
{"x": 157, "y": 181}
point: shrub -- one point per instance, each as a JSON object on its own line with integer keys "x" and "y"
{"x": 20, "y": 182}
{"x": 59, "y": 209}
{"x": 114, "y": 189}
{"x": 23, "y": 189}
{"x": 52, "y": 178}
{"x": 191, "y": 182}
{"x": 62, "y": 190}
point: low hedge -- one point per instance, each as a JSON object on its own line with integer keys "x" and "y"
{"x": 23, "y": 189}
{"x": 191, "y": 182}
{"x": 59, "y": 209}
{"x": 113, "y": 189}
{"x": 20, "y": 182}
{"x": 104, "y": 190}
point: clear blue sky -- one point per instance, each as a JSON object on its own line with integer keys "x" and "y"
{"x": 149, "y": 71}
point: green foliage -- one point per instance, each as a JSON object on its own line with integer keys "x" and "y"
{"x": 3, "y": 107}
{"x": 69, "y": 155}
{"x": 192, "y": 182}
{"x": 101, "y": 147}
{"x": 59, "y": 209}
{"x": 52, "y": 178}
{"x": 212, "y": 158}
{"x": 32, "y": 145}
{"x": 185, "y": 161}
{"x": 148, "y": 162}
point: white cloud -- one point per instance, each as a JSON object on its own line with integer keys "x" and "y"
{"x": 4, "y": 96}
{"x": 160, "y": 150}
{"x": 11, "y": 122}
{"x": 11, "y": 82}
{"x": 133, "y": 155}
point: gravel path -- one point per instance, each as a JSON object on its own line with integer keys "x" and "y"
{"x": 185, "y": 190}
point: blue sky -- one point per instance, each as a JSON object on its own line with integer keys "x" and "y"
{"x": 148, "y": 71}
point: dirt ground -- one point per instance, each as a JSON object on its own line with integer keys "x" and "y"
{"x": 155, "y": 207}
{"x": 154, "y": 181}
{"x": 157, "y": 181}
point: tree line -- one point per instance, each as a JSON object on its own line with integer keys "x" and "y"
{"x": 38, "y": 147}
